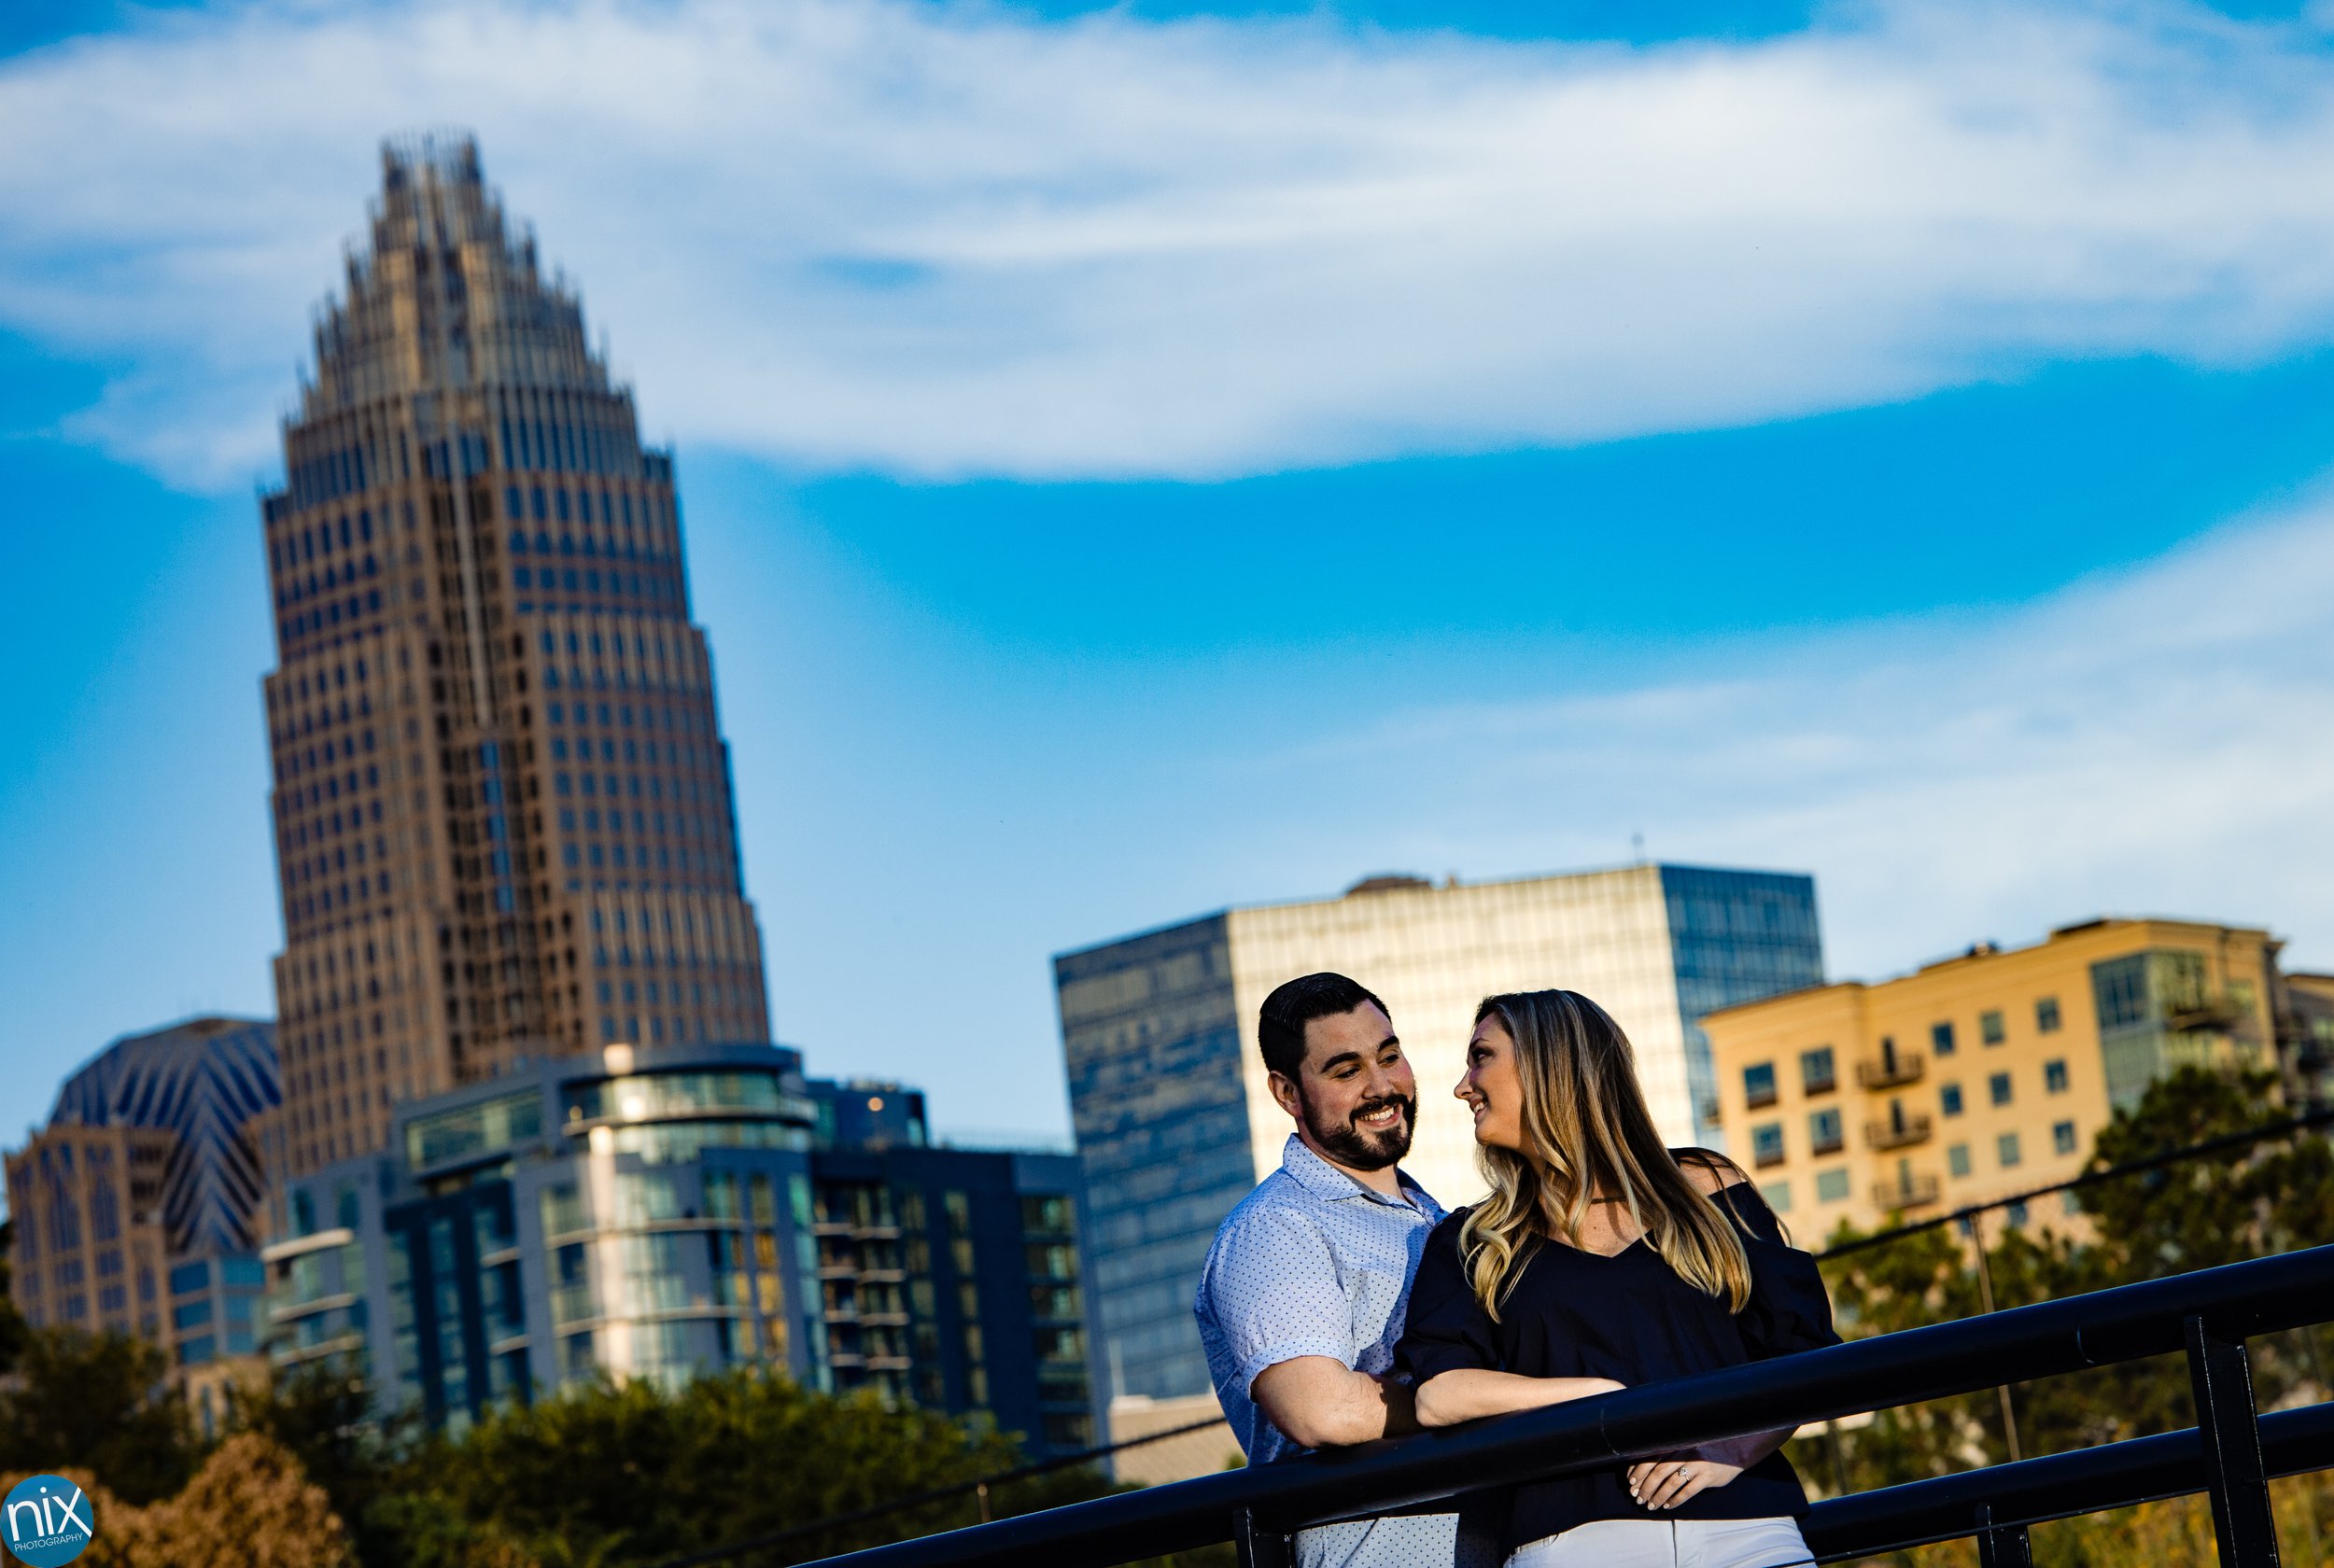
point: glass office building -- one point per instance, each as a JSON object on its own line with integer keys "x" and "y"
{"x": 1175, "y": 1120}
{"x": 659, "y": 1214}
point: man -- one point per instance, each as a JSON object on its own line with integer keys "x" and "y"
{"x": 1301, "y": 1302}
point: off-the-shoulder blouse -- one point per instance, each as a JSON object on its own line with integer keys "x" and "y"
{"x": 1629, "y": 1318}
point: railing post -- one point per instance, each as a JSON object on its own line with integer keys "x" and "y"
{"x": 2002, "y": 1546}
{"x": 1259, "y": 1547}
{"x": 2221, "y": 1375}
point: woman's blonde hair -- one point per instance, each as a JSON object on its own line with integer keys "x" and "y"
{"x": 1586, "y": 1134}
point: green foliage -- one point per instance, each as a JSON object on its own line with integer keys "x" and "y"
{"x": 2246, "y": 1202}
{"x": 97, "y": 1402}
{"x": 602, "y": 1475}
{"x": 320, "y": 1413}
{"x": 14, "y": 1330}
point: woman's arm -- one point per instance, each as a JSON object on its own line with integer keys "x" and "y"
{"x": 1469, "y": 1392}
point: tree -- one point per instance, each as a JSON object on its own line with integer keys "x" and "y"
{"x": 320, "y": 1413}
{"x": 14, "y": 1330}
{"x": 251, "y": 1506}
{"x": 248, "y": 1507}
{"x": 98, "y": 1402}
{"x": 610, "y": 1476}
{"x": 2247, "y": 1201}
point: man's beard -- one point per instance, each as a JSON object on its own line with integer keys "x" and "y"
{"x": 1360, "y": 1150}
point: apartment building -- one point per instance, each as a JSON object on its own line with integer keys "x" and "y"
{"x": 1982, "y": 1075}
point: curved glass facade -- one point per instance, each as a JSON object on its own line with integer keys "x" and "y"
{"x": 679, "y": 1216}
{"x": 649, "y": 1095}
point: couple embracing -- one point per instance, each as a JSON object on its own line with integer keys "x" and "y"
{"x": 1339, "y": 1304}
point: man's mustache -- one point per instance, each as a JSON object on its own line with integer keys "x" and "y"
{"x": 1372, "y": 1107}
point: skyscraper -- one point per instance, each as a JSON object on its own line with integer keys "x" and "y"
{"x": 1176, "y": 1120}
{"x": 138, "y": 1205}
{"x": 502, "y": 804}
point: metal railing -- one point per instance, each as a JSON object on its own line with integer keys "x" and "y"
{"x": 1898, "y": 1132}
{"x": 1887, "y": 1073}
{"x": 2208, "y": 1315}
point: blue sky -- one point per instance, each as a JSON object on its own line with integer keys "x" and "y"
{"x": 1135, "y": 463}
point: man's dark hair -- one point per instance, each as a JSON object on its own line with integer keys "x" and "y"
{"x": 1280, "y": 1029}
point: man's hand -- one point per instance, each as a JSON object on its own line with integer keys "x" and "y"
{"x": 1665, "y": 1483}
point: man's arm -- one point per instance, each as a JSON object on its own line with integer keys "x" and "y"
{"x": 1322, "y": 1403}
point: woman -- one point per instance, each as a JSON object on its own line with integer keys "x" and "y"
{"x": 1602, "y": 1260}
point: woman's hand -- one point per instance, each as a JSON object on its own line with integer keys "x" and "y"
{"x": 1665, "y": 1483}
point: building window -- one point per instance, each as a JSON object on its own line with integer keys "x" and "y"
{"x": 1950, "y": 1098}
{"x": 1758, "y": 1085}
{"x": 1816, "y": 1071}
{"x": 1991, "y": 1028}
{"x": 2055, "y": 1076}
{"x": 1941, "y": 1039}
{"x": 2062, "y": 1137}
{"x": 2046, "y": 1015}
{"x": 1998, "y": 1089}
{"x": 2005, "y": 1149}
{"x": 1777, "y": 1196}
{"x": 2119, "y": 991}
{"x": 1766, "y": 1144}
{"x": 1830, "y": 1186}
{"x": 1824, "y": 1133}
{"x": 1957, "y": 1159}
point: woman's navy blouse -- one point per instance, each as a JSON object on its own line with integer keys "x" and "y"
{"x": 1626, "y": 1317}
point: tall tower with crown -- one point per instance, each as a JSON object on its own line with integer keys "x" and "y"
{"x": 503, "y": 815}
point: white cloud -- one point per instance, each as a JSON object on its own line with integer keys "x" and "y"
{"x": 961, "y": 240}
{"x": 2155, "y": 742}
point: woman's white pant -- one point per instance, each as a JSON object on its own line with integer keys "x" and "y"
{"x": 1757, "y": 1543}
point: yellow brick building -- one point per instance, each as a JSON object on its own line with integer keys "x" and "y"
{"x": 1981, "y": 1076}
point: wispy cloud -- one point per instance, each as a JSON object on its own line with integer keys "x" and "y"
{"x": 944, "y": 240}
{"x": 2158, "y": 741}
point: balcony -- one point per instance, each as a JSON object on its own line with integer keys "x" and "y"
{"x": 1889, "y": 1071}
{"x": 1899, "y": 1134}
{"x": 2217, "y": 1013}
{"x": 1820, "y": 1144}
{"x": 572, "y": 1304}
{"x": 1911, "y": 1192}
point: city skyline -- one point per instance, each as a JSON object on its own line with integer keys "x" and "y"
{"x": 2022, "y": 629}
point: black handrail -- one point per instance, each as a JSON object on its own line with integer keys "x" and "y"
{"x": 2059, "y": 1486}
{"x": 2228, "y": 1304}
